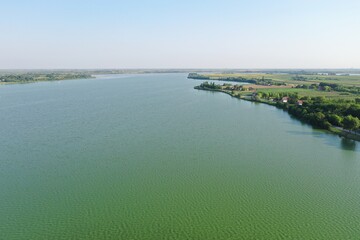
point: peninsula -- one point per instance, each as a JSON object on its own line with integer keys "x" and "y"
{"x": 327, "y": 100}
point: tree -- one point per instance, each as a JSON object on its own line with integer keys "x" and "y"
{"x": 319, "y": 99}
{"x": 335, "y": 120}
{"x": 265, "y": 95}
{"x": 327, "y": 89}
{"x": 351, "y": 123}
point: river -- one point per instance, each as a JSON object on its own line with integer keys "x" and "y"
{"x": 148, "y": 157}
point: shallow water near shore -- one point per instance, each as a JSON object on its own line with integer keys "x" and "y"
{"x": 148, "y": 157}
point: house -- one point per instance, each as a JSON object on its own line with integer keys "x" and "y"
{"x": 299, "y": 103}
{"x": 285, "y": 99}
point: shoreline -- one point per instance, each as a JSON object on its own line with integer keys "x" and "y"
{"x": 333, "y": 129}
{"x": 37, "y": 81}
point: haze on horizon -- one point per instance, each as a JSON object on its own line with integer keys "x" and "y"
{"x": 180, "y": 34}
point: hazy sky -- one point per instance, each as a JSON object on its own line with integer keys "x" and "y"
{"x": 180, "y": 34}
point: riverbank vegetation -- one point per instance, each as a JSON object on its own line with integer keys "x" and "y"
{"x": 29, "y": 77}
{"x": 331, "y": 106}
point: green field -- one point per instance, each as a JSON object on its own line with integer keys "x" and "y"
{"x": 305, "y": 84}
{"x": 309, "y": 93}
{"x": 291, "y": 78}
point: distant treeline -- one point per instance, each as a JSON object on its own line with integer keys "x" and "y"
{"x": 25, "y": 76}
{"x": 35, "y": 77}
{"x": 328, "y": 87}
{"x": 212, "y": 86}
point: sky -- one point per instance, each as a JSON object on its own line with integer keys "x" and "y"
{"x": 179, "y": 34}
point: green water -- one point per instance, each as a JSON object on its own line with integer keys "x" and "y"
{"x": 149, "y": 157}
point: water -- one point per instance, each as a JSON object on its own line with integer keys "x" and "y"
{"x": 149, "y": 157}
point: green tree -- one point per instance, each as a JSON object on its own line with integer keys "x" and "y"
{"x": 351, "y": 123}
{"x": 327, "y": 89}
{"x": 335, "y": 120}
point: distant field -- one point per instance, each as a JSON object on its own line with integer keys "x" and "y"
{"x": 292, "y": 78}
{"x": 302, "y": 93}
{"x": 266, "y": 82}
{"x": 308, "y": 92}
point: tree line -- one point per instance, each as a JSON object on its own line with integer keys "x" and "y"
{"x": 325, "y": 113}
{"x": 34, "y": 77}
